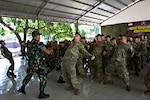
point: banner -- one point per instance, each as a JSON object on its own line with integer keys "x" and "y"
{"x": 139, "y": 28}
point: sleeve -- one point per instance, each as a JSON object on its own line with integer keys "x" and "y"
{"x": 84, "y": 51}
{"x": 42, "y": 47}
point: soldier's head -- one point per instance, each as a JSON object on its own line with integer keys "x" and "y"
{"x": 36, "y": 35}
{"x": 123, "y": 39}
{"x": 77, "y": 37}
{"x": 99, "y": 37}
{"x": 137, "y": 39}
{"x": 113, "y": 40}
{"x": 2, "y": 42}
{"x": 107, "y": 38}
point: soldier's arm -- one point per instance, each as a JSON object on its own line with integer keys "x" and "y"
{"x": 48, "y": 51}
{"x": 45, "y": 50}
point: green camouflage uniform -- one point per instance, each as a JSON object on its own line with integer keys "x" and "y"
{"x": 35, "y": 63}
{"x": 118, "y": 64}
{"x": 147, "y": 79}
{"x": 137, "y": 57}
{"x": 7, "y": 54}
{"x": 97, "y": 69}
{"x": 69, "y": 61}
{"x": 107, "y": 56}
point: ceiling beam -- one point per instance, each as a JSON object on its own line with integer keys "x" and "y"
{"x": 62, "y": 5}
{"x": 106, "y": 10}
{"x": 82, "y": 3}
{"x": 94, "y": 18}
{"x": 60, "y": 11}
{"x": 99, "y": 14}
{"x": 43, "y": 6}
{"x": 111, "y": 6}
{"x": 94, "y": 6}
{"x": 121, "y": 2}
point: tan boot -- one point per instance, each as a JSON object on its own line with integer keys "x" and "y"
{"x": 77, "y": 92}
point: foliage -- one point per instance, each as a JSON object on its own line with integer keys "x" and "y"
{"x": 50, "y": 30}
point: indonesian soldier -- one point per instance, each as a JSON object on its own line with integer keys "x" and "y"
{"x": 69, "y": 62}
{"x": 35, "y": 64}
{"x": 8, "y": 55}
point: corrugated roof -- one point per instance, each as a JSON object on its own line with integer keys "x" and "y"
{"x": 91, "y": 12}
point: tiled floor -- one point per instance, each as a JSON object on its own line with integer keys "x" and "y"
{"x": 90, "y": 90}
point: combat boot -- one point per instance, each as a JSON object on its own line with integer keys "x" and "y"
{"x": 22, "y": 89}
{"x": 77, "y": 92}
{"x": 108, "y": 82}
{"x": 147, "y": 92}
{"x": 43, "y": 95}
{"x": 128, "y": 88}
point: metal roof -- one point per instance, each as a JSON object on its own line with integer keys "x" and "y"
{"x": 90, "y": 12}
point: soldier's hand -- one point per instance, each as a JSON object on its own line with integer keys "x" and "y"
{"x": 93, "y": 57}
{"x": 131, "y": 48}
{"x": 104, "y": 52}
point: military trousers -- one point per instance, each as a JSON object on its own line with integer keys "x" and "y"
{"x": 147, "y": 79}
{"x": 69, "y": 72}
{"x": 41, "y": 74}
{"x": 120, "y": 68}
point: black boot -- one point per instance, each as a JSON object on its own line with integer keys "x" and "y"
{"x": 22, "y": 89}
{"x": 43, "y": 95}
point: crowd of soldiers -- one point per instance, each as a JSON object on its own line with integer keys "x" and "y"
{"x": 104, "y": 57}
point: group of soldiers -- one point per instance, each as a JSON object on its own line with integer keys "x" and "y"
{"x": 105, "y": 56}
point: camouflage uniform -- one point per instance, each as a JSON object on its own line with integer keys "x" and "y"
{"x": 118, "y": 64}
{"x": 7, "y": 54}
{"x": 137, "y": 57}
{"x": 69, "y": 62}
{"x": 81, "y": 62}
{"x": 35, "y": 63}
{"x": 147, "y": 79}
{"x": 97, "y": 68}
{"x": 107, "y": 56}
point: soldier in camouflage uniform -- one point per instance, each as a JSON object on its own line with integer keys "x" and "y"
{"x": 7, "y": 54}
{"x": 118, "y": 63}
{"x": 69, "y": 62}
{"x": 137, "y": 55}
{"x": 106, "y": 53}
{"x": 97, "y": 69}
{"x": 147, "y": 82}
{"x": 35, "y": 65}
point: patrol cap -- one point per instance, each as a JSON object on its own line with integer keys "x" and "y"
{"x": 82, "y": 37}
{"x": 113, "y": 38}
{"x": 108, "y": 36}
{"x": 1, "y": 41}
{"x": 34, "y": 33}
{"x": 98, "y": 35}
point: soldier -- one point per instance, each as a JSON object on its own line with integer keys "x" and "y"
{"x": 23, "y": 53}
{"x": 118, "y": 63}
{"x": 35, "y": 50}
{"x": 147, "y": 82}
{"x": 106, "y": 52}
{"x": 69, "y": 62}
{"x": 97, "y": 69}
{"x": 137, "y": 55}
{"x": 7, "y": 54}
